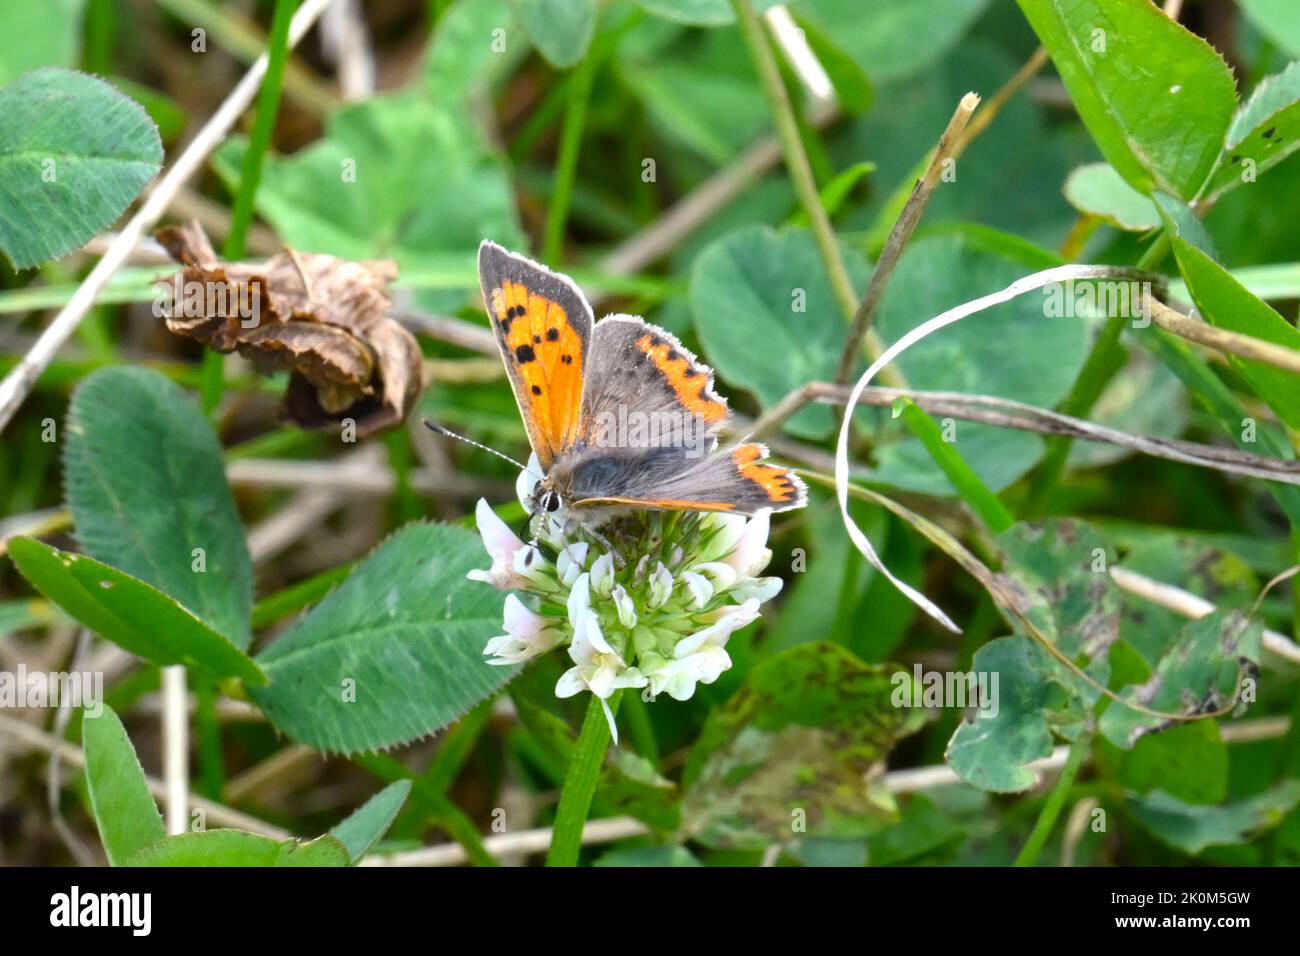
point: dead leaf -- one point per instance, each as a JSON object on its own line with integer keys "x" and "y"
{"x": 324, "y": 320}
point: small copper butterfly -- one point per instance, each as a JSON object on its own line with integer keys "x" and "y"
{"x": 619, "y": 414}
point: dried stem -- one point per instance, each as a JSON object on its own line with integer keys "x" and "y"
{"x": 899, "y": 236}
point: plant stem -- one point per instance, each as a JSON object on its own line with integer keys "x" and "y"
{"x": 566, "y": 163}
{"x": 580, "y": 783}
{"x": 268, "y": 107}
{"x": 1028, "y": 855}
{"x": 796, "y": 159}
{"x": 969, "y": 484}
{"x": 1105, "y": 359}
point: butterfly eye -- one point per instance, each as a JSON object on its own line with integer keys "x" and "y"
{"x": 551, "y": 501}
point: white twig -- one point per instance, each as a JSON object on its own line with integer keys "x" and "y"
{"x": 1189, "y": 605}
{"x": 346, "y": 42}
{"x": 501, "y": 844}
{"x": 19, "y": 382}
{"x": 1024, "y": 284}
{"x": 15, "y": 730}
{"x": 351, "y": 479}
{"x": 795, "y": 46}
{"x": 176, "y": 748}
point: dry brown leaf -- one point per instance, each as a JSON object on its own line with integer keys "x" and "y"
{"x": 325, "y": 320}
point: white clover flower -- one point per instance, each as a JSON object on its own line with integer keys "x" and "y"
{"x": 602, "y": 575}
{"x": 749, "y": 555}
{"x": 527, "y": 635}
{"x": 626, "y": 608}
{"x": 698, "y": 587}
{"x": 660, "y": 618}
{"x": 661, "y": 586}
{"x": 515, "y": 566}
{"x": 570, "y": 563}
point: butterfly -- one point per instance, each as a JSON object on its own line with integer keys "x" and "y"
{"x": 619, "y": 414}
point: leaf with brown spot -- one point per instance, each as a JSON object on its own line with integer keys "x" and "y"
{"x": 322, "y": 319}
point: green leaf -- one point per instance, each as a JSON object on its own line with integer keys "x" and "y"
{"x": 465, "y": 51}
{"x": 1265, "y": 131}
{"x": 1014, "y": 350}
{"x": 894, "y": 39}
{"x": 767, "y": 316}
{"x": 835, "y": 192}
{"x": 74, "y": 152}
{"x": 1033, "y": 694}
{"x": 394, "y": 653}
{"x": 1058, "y": 570}
{"x": 1097, "y": 189}
{"x": 1189, "y": 762}
{"x": 560, "y": 29}
{"x": 364, "y": 828}
{"x": 656, "y": 856}
{"x": 1277, "y": 20}
{"x": 669, "y": 78}
{"x": 1194, "y": 828}
{"x": 148, "y": 493}
{"x": 1197, "y": 675}
{"x": 124, "y": 809}
{"x": 1157, "y": 98}
{"x": 33, "y": 35}
{"x": 1181, "y": 222}
{"x": 238, "y": 848}
{"x": 129, "y": 612}
{"x": 1226, "y": 303}
{"x": 395, "y": 177}
{"x": 802, "y": 741}
{"x": 700, "y": 13}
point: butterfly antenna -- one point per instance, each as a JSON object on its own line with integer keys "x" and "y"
{"x": 435, "y": 427}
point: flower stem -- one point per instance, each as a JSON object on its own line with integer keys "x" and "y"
{"x": 1028, "y": 855}
{"x": 580, "y": 783}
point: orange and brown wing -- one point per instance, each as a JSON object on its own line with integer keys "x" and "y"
{"x": 737, "y": 480}
{"x": 543, "y": 326}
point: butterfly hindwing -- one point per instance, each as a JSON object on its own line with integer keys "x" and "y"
{"x": 543, "y": 327}
{"x": 736, "y": 480}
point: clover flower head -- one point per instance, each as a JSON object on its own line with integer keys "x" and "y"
{"x": 649, "y": 602}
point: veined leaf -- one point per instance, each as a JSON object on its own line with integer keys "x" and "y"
{"x": 394, "y": 653}
{"x": 1157, "y": 98}
{"x": 74, "y": 152}
{"x": 130, "y": 613}
{"x": 148, "y": 492}
{"x": 124, "y": 809}
{"x": 1264, "y": 132}
{"x": 1096, "y": 188}
{"x": 560, "y": 29}
{"x": 365, "y": 827}
{"x": 1194, "y": 828}
{"x": 1226, "y": 303}
{"x": 238, "y": 848}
